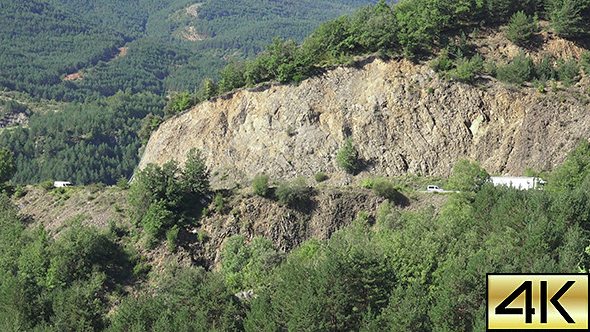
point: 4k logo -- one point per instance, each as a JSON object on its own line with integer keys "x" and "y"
{"x": 539, "y": 302}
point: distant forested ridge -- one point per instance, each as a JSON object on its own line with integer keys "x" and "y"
{"x": 41, "y": 43}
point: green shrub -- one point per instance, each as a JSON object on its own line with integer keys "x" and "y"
{"x": 320, "y": 177}
{"x": 518, "y": 71}
{"x": 573, "y": 172}
{"x": 367, "y": 183}
{"x": 7, "y": 164}
{"x": 491, "y": 68}
{"x": 544, "y": 70}
{"x": 521, "y": 28}
{"x": 260, "y": 185}
{"x": 141, "y": 270}
{"x": 123, "y": 183}
{"x": 442, "y": 63}
{"x": 467, "y": 176}
{"x": 19, "y": 191}
{"x": 347, "y": 157}
{"x": 219, "y": 204}
{"x": 157, "y": 218}
{"x": 292, "y": 192}
{"x": 568, "y": 71}
{"x": 383, "y": 188}
{"x": 172, "y": 237}
{"x": 47, "y": 185}
{"x": 569, "y": 18}
{"x": 585, "y": 64}
{"x": 467, "y": 69}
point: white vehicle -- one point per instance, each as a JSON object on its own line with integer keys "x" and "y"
{"x": 521, "y": 183}
{"x": 434, "y": 189}
{"x": 59, "y": 184}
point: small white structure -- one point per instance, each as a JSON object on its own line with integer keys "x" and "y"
{"x": 521, "y": 183}
{"x": 59, "y": 184}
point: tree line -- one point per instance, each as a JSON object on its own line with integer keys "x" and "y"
{"x": 409, "y": 28}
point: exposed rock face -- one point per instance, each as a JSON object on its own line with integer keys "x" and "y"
{"x": 8, "y": 119}
{"x": 401, "y": 116}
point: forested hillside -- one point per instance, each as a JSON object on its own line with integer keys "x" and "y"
{"x": 405, "y": 266}
{"x": 170, "y": 253}
{"x": 44, "y": 42}
{"x": 83, "y": 143}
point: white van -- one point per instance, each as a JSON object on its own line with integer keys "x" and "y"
{"x": 434, "y": 189}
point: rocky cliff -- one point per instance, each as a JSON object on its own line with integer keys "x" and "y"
{"x": 401, "y": 116}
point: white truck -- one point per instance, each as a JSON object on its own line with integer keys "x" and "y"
{"x": 59, "y": 184}
{"x": 521, "y": 183}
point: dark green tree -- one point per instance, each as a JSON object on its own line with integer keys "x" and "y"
{"x": 569, "y": 17}
{"x": 150, "y": 123}
{"x": 232, "y": 76}
{"x": 208, "y": 89}
{"x": 521, "y": 28}
{"x": 518, "y": 71}
{"x": 573, "y": 171}
{"x": 467, "y": 176}
{"x": 7, "y": 164}
{"x": 260, "y": 185}
{"x": 347, "y": 157}
{"x": 161, "y": 197}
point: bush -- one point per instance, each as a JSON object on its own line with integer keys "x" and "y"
{"x": 7, "y": 164}
{"x": 347, "y": 157}
{"x": 491, "y": 68}
{"x": 219, "y": 205}
{"x": 260, "y": 185}
{"x": 544, "y": 70}
{"x": 292, "y": 192}
{"x": 141, "y": 270}
{"x": 569, "y": 18}
{"x": 442, "y": 63}
{"x": 521, "y": 28}
{"x": 123, "y": 183}
{"x": 572, "y": 173}
{"x": 150, "y": 123}
{"x": 467, "y": 176}
{"x": 585, "y": 64}
{"x": 320, "y": 177}
{"x": 518, "y": 71}
{"x": 19, "y": 191}
{"x": 47, "y": 185}
{"x": 568, "y": 71}
{"x": 466, "y": 69}
{"x": 385, "y": 189}
{"x": 172, "y": 237}
{"x": 157, "y": 218}
{"x": 367, "y": 183}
